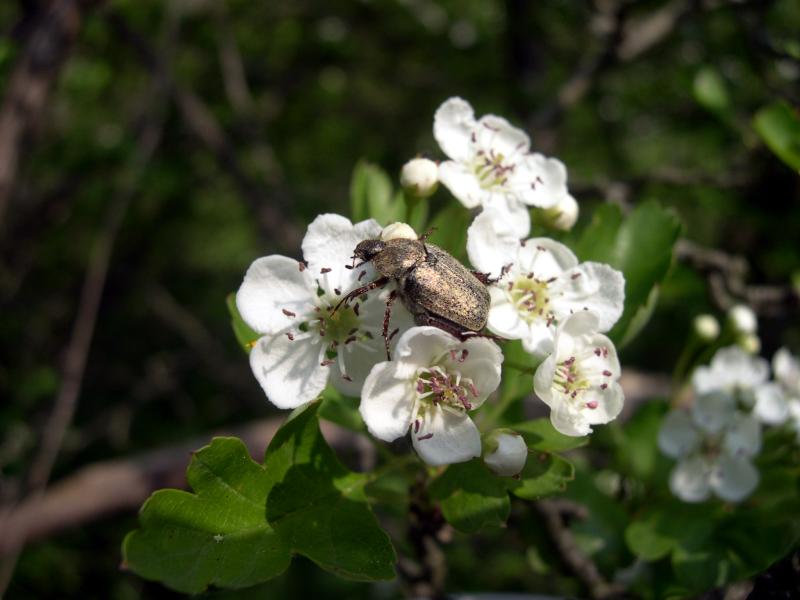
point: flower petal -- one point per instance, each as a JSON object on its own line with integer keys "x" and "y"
{"x": 731, "y": 368}
{"x": 569, "y": 422}
{"x": 512, "y": 211}
{"x": 743, "y": 436}
{"x": 504, "y": 318}
{"x": 387, "y": 401}
{"x": 689, "y": 480}
{"x": 289, "y": 371}
{"x": 733, "y": 478}
{"x": 545, "y": 258}
{"x": 498, "y": 135}
{"x": 543, "y": 380}
{"x": 787, "y": 371}
{"x": 538, "y": 337}
{"x": 272, "y": 284}
{"x": 678, "y": 436}
{"x": 462, "y": 183}
{"x": 539, "y": 181}
{"x": 453, "y": 125}
{"x": 592, "y": 286}
{"x": 420, "y": 347}
{"x": 510, "y": 455}
{"x": 771, "y": 405}
{"x": 329, "y": 244}
{"x": 714, "y": 411}
{"x": 609, "y": 403}
{"x": 491, "y": 242}
{"x": 454, "y": 438}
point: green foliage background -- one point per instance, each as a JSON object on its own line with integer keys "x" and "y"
{"x": 325, "y": 85}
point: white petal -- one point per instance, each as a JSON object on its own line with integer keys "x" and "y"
{"x": 578, "y": 331}
{"x": 713, "y": 411}
{"x": 497, "y": 134}
{"x": 569, "y": 422}
{"x": 609, "y": 404}
{"x": 462, "y": 183}
{"x": 491, "y": 242}
{"x": 731, "y": 368}
{"x": 592, "y": 286}
{"x": 329, "y": 244}
{"x": 787, "y": 370}
{"x": 387, "y": 402}
{"x": 689, "y": 480}
{"x": 733, "y": 478}
{"x": 510, "y": 455}
{"x": 455, "y": 438}
{"x": 771, "y": 404}
{"x": 453, "y": 125}
{"x": 272, "y": 284}
{"x": 289, "y": 371}
{"x": 743, "y": 437}
{"x": 545, "y": 258}
{"x": 504, "y": 318}
{"x": 420, "y": 347}
{"x": 513, "y": 212}
{"x": 543, "y": 380}
{"x": 538, "y": 338}
{"x": 678, "y": 436}
{"x": 540, "y": 181}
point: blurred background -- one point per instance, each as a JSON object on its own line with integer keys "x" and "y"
{"x": 149, "y": 151}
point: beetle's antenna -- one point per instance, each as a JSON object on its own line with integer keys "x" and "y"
{"x": 424, "y": 237}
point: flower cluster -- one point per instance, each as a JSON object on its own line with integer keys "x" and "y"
{"x": 316, "y": 330}
{"x": 717, "y": 437}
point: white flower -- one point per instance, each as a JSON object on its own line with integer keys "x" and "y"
{"x": 505, "y": 452}
{"x": 744, "y": 377}
{"x": 706, "y": 327}
{"x": 787, "y": 373}
{"x": 714, "y": 444}
{"x": 743, "y": 319}
{"x": 290, "y": 303}
{"x": 578, "y": 381}
{"x": 491, "y": 164}
{"x": 563, "y": 215}
{"x": 429, "y": 387}
{"x": 420, "y": 177}
{"x": 398, "y": 230}
{"x": 540, "y": 284}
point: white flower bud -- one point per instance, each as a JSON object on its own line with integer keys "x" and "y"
{"x": 706, "y": 327}
{"x": 397, "y": 231}
{"x": 743, "y": 319}
{"x": 505, "y": 452}
{"x": 563, "y": 215}
{"x": 420, "y": 177}
{"x": 750, "y": 343}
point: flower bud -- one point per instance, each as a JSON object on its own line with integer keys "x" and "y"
{"x": 743, "y": 319}
{"x": 750, "y": 343}
{"x": 706, "y": 327}
{"x": 562, "y": 216}
{"x": 398, "y": 230}
{"x": 505, "y": 452}
{"x": 420, "y": 177}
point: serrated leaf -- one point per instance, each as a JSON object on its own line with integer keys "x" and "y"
{"x": 539, "y": 434}
{"x": 779, "y": 126}
{"x": 216, "y": 536}
{"x": 544, "y": 474}
{"x": 245, "y": 335}
{"x": 641, "y": 246}
{"x": 471, "y": 496}
{"x": 318, "y": 507}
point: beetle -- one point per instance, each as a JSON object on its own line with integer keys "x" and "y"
{"x": 434, "y": 286}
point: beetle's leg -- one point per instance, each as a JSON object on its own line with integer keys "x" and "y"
{"x": 386, "y": 317}
{"x": 378, "y": 283}
{"x": 424, "y": 237}
{"x": 487, "y": 279}
{"x": 442, "y": 323}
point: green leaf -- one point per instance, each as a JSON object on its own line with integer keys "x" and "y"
{"x": 636, "y": 445}
{"x": 641, "y": 246}
{"x": 710, "y": 91}
{"x": 216, "y": 536}
{"x": 450, "y": 230}
{"x": 245, "y": 335}
{"x": 318, "y": 507}
{"x": 544, "y": 474}
{"x": 665, "y": 527}
{"x": 540, "y": 435}
{"x": 779, "y": 126}
{"x": 341, "y": 410}
{"x": 371, "y": 195}
{"x": 471, "y": 496}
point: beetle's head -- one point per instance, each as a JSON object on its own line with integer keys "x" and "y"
{"x": 368, "y": 249}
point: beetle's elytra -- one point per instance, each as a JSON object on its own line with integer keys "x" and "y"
{"x": 436, "y": 288}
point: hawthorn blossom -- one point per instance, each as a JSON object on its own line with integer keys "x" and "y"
{"x": 430, "y": 386}
{"x": 539, "y": 283}
{"x": 787, "y": 374}
{"x": 505, "y": 452}
{"x": 305, "y": 343}
{"x": 714, "y": 444}
{"x": 745, "y": 378}
{"x": 578, "y": 381}
{"x": 491, "y": 164}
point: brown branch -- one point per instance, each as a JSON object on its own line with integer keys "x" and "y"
{"x": 580, "y": 564}
{"x": 109, "y": 487}
{"x": 49, "y": 44}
